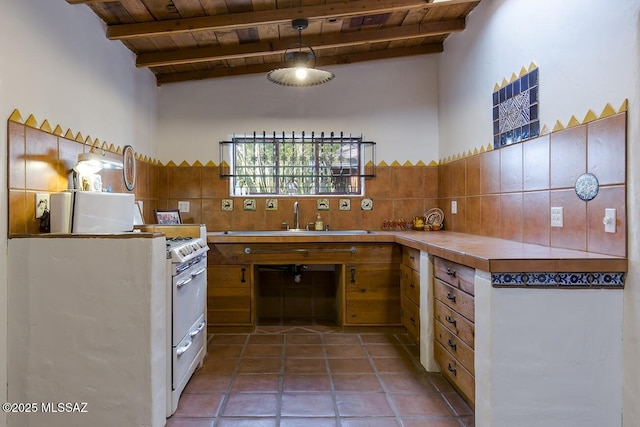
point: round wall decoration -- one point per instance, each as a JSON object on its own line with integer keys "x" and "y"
{"x": 129, "y": 172}
{"x": 587, "y": 186}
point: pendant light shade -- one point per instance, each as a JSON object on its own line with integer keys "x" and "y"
{"x": 302, "y": 71}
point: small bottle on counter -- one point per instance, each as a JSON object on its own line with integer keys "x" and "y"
{"x": 319, "y": 224}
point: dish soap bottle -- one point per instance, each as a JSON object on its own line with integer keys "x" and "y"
{"x": 319, "y": 223}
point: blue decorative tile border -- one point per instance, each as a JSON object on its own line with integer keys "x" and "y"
{"x": 515, "y": 110}
{"x": 591, "y": 280}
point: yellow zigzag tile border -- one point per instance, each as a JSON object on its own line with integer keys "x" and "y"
{"x": 31, "y": 121}
{"x": 590, "y": 116}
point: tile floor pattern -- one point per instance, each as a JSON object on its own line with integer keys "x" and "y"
{"x": 317, "y": 376}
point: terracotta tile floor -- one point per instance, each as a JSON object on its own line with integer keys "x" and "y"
{"x": 317, "y": 376}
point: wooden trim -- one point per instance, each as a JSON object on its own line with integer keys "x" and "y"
{"x": 234, "y": 21}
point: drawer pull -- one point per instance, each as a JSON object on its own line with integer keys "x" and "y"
{"x": 451, "y": 369}
{"x": 412, "y": 286}
{"x": 452, "y": 345}
{"x": 353, "y": 275}
{"x": 412, "y": 258}
{"x": 451, "y": 297}
{"x": 412, "y": 319}
{"x": 450, "y": 320}
{"x": 243, "y": 280}
{"x": 451, "y": 272}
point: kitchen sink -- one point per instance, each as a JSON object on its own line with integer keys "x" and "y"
{"x": 299, "y": 231}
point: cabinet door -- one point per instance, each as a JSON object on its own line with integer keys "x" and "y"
{"x": 411, "y": 318}
{"x": 410, "y": 284}
{"x": 372, "y": 294}
{"x": 229, "y": 295}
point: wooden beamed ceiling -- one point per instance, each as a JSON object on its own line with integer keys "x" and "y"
{"x": 180, "y": 40}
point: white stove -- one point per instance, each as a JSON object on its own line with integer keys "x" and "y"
{"x": 186, "y": 309}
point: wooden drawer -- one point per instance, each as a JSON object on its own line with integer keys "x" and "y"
{"x": 455, "y": 323}
{"x": 410, "y": 284}
{"x": 459, "y": 377}
{"x": 457, "y": 300}
{"x": 411, "y": 257}
{"x": 457, "y": 275}
{"x": 455, "y": 346}
{"x": 411, "y": 318}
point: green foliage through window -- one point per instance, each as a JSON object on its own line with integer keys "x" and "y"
{"x": 297, "y": 164}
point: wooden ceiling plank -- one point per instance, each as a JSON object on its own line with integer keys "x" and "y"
{"x": 189, "y": 8}
{"x": 89, "y": 1}
{"x": 214, "y": 7}
{"x": 161, "y": 10}
{"x": 153, "y": 59}
{"x": 333, "y": 60}
{"x": 252, "y": 19}
{"x": 137, "y": 10}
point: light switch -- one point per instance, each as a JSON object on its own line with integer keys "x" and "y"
{"x": 557, "y": 217}
{"x": 454, "y": 207}
{"x": 609, "y": 220}
{"x": 183, "y": 206}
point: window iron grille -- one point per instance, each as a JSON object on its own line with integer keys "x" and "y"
{"x": 297, "y": 164}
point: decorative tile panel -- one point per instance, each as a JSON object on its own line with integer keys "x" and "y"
{"x": 557, "y": 280}
{"x": 515, "y": 110}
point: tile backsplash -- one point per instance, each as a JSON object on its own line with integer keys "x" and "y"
{"x": 505, "y": 193}
{"x": 508, "y": 193}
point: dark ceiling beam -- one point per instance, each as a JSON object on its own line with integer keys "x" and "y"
{"x": 234, "y": 21}
{"x": 323, "y": 61}
{"x": 186, "y": 56}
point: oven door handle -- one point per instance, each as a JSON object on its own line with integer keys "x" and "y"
{"x": 181, "y": 350}
{"x": 199, "y": 272}
{"x": 181, "y": 283}
{"x": 197, "y": 331}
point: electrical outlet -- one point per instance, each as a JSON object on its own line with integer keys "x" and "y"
{"x": 42, "y": 204}
{"x": 183, "y": 206}
{"x": 609, "y": 221}
{"x": 454, "y": 207}
{"x": 557, "y": 217}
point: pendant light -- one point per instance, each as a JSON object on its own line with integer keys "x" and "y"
{"x": 302, "y": 71}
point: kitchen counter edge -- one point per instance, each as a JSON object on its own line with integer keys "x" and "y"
{"x": 484, "y": 253}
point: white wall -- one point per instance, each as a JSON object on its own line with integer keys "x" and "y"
{"x": 588, "y": 55}
{"x": 58, "y": 65}
{"x": 393, "y": 103}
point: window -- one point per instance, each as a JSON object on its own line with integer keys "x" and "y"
{"x": 297, "y": 164}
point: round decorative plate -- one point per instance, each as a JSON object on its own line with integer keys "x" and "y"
{"x": 129, "y": 163}
{"x": 434, "y": 216}
{"x": 587, "y": 186}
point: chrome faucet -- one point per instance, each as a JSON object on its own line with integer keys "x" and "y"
{"x": 296, "y": 216}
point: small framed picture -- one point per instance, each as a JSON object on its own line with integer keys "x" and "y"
{"x": 168, "y": 216}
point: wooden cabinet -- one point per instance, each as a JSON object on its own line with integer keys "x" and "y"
{"x": 410, "y": 291}
{"x": 367, "y": 288}
{"x": 454, "y": 327}
{"x": 229, "y": 295}
{"x": 372, "y": 295}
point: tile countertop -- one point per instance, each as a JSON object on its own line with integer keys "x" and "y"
{"x": 484, "y": 253}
